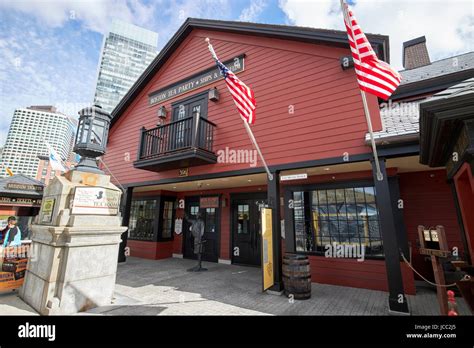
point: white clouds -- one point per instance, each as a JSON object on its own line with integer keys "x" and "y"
{"x": 447, "y": 25}
{"x": 40, "y": 67}
{"x": 49, "y": 49}
{"x": 94, "y": 15}
{"x": 251, "y": 13}
{"x": 174, "y": 13}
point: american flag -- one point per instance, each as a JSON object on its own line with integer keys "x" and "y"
{"x": 373, "y": 75}
{"x": 243, "y": 96}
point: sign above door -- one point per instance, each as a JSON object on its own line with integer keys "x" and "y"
{"x": 209, "y": 202}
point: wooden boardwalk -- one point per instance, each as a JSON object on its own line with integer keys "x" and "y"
{"x": 165, "y": 288}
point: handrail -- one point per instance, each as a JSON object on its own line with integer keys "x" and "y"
{"x": 207, "y": 121}
{"x": 181, "y": 120}
{"x": 171, "y": 123}
{"x": 176, "y": 136}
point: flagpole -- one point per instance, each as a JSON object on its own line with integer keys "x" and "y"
{"x": 364, "y": 100}
{"x": 112, "y": 174}
{"x": 252, "y": 137}
{"x": 247, "y": 127}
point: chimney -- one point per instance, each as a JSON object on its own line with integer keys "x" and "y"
{"x": 415, "y": 53}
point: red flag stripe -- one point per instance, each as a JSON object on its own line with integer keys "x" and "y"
{"x": 239, "y": 97}
{"x": 244, "y": 102}
{"x": 239, "y": 103}
{"x": 247, "y": 97}
{"x": 373, "y": 75}
{"x": 242, "y": 95}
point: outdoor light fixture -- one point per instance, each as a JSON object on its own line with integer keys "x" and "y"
{"x": 91, "y": 137}
{"x": 162, "y": 112}
{"x": 214, "y": 94}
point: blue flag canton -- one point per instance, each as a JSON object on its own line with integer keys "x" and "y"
{"x": 224, "y": 70}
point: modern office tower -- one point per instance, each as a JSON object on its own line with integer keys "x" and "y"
{"x": 29, "y": 131}
{"x": 126, "y": 52}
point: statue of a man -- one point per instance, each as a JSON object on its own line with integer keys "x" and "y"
{"x": 197, "y": 231}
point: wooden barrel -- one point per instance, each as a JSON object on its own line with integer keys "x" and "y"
{"x": 297, "y": 276}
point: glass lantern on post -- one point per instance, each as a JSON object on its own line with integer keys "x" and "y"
{"x": 91, "y": 137}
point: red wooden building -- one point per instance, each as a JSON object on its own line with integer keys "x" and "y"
{"x": 178, "y": 145}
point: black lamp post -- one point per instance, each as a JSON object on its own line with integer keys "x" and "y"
{"x": 91, "y": 137}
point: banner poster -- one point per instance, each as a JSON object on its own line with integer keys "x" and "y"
{"x": 267, "y": 249}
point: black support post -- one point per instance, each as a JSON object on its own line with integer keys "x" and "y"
{"x": 126, "y": 205}
{"x": 402, "y": 236}
{"x": 273, "y": 193}
{"x": 397, "y": 301}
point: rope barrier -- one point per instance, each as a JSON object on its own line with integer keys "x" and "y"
{"x": 426, "y": 280}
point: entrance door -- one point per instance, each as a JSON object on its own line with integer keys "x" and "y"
{"x": 246, "y": 230}
{"x": 183, "y": 125}
{"x": 211, "y": 231}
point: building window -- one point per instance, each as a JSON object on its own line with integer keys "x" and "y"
{"x": 243, "y": 219}
{"x": 142, "y": 219}
{"x": 345, "y": 215}
{"x": 167, "y": 222}
{"x": 194, "y": 210}
{"x": 210, "y": 222}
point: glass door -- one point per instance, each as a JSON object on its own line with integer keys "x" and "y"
{"x": 246, "y": 231}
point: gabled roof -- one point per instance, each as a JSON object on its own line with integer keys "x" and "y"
{"x": 380, "y": 43}
{"x": 22, "y": 180}
{"x": 465, "y": 87}
{"x": 438, "y": 68}
{"x": 400, "y": 123}
{"x": 436, "y": 76}
{"x": 441, "y": 119}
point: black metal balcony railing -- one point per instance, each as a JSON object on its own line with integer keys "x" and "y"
{"x": 176, "y": 136}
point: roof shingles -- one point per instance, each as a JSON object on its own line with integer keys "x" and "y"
{"x": 402, "y": 118}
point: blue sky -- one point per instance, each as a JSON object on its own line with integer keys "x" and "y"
{"x": 50, "y": 49}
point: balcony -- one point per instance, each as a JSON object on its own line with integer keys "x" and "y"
{"x": 183, "y": 143}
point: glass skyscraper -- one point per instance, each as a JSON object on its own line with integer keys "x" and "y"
{"x": 126, "y": 52}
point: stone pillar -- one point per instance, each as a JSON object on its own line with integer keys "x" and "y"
{"x": 75, "y": 242}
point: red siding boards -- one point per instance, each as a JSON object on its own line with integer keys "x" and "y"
{"x": 428, "y": 201}
{"x": 328, "y": 117}
{"x": 464, "y": 182}
{"x": 150, "y": 250}
{"x": 368, "y": 274}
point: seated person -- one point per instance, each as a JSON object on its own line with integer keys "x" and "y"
{"x": 11, "y": 234}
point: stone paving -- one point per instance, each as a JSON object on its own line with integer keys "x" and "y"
{"x": 164, "y": 287}
{"x": 12, "y": 304}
